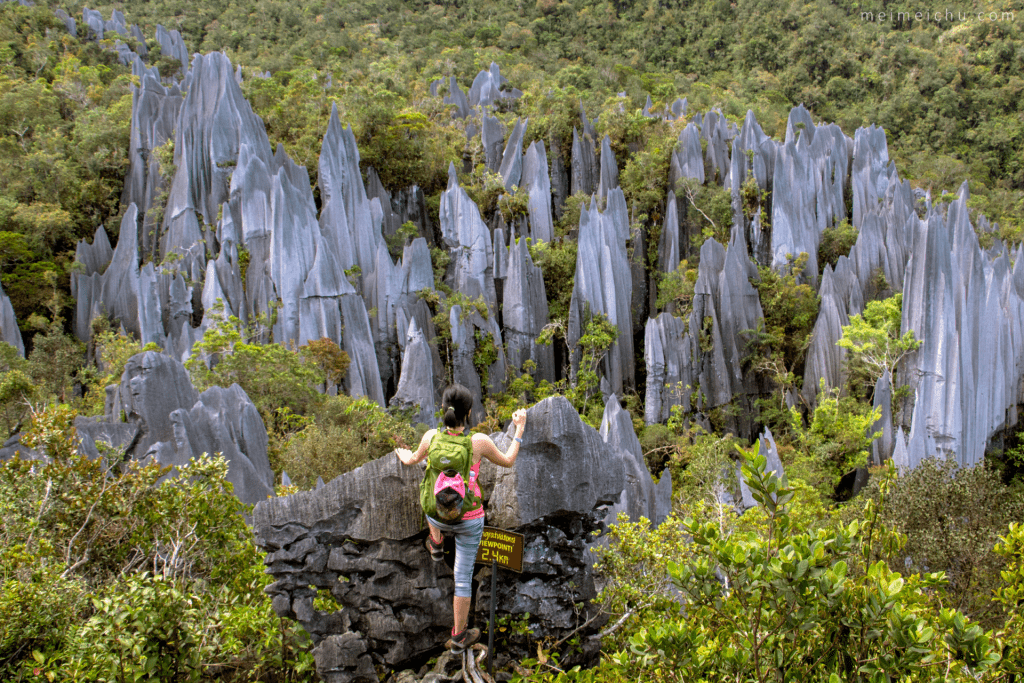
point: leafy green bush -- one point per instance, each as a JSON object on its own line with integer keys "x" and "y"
{"x": 794, "y": 605}
{"x": 344, "y": 434}
{"x": 108, "y": 575}
{"x": 952, "y": 518}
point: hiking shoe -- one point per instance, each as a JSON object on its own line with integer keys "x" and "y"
{"x": 436, "y": 550}
{"x": 463, "y": 641}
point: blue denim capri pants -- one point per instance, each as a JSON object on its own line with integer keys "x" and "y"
{"x": 467, "y": 539}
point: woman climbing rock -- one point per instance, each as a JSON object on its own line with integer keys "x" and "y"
{"x": 451, "y": 496}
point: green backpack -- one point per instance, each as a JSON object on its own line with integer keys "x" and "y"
{"x": 450, "y": 459}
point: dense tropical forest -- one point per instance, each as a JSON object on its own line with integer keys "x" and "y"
{"x": 919, "y": 576}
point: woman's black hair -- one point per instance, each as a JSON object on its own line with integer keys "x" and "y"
{"x": 456, "y": 405}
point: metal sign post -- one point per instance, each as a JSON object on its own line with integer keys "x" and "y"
{"x": 500, "y": 548}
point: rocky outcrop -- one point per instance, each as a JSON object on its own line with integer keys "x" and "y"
{"x": 525, "y": 313}
{"x": 156, "y": 413}
{"x": 536, "y": 183}
{"x": 707, "y": 351}
{"x": 966, "y": 307}
{"x": 511, "y": 169}
{"x": 469, "y": 242}
{"x": 394, "y": 601}
{"x": 603, "y": 285}
{"x": 641, "y": 497}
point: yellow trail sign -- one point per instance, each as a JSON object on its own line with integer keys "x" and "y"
{"x": 504, "y": 548}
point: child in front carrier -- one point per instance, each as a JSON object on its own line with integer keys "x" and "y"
{"x": 451, "y": 495}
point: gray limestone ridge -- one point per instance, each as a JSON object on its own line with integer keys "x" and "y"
{"x": 696, "y": 364}
{"x": 394, "y": 600}
{"x": 155, "y": 414}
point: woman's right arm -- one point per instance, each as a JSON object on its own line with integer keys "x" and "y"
{"x": 411, "y": 458}
{"x": 490, "y": 451}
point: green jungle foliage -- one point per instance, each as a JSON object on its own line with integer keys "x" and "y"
{"x": 105, "y": 575}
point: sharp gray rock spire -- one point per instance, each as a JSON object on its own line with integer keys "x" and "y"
{"x": 584, "y": 164}
{"x": 470, "y": 329}
{"x": 882, "y": 447}
{"x": 94, "y": 257}
{"x": 525, "y": 313}
{"x": 799, "y": 122}
{"x": 155, "y": 111}
{"x": 458, "y": 98}
{"x": 293, "y": 245}
{"x": 766, "y": 448}
{"x": 609, "y": 176}
{"x": 69, "y": 22}
{"x": 725, "y": 306}
{"x": 116, "y": 24}
{"x": 214, "y": 123}
{"x": 94, "y": 21}
{"x": 963, "y": 305}
{"x": 716, "y": 131}
{"x": 670, "y": 381}
{"x": 678, "y": 109}
{"x": 559, "y": 179}
{"x": 358, "y": 232}
{"x": 469, "y": 239}
{"x": 9, "y": 331}
{"x": 869, "y": 176}
{"x": 140, "y": 41}
{"x": 795, "y": 227}
{"x": 486, "y": 89}
{"x": 840, "y": 298}
{"x": 687, "y": 159}
{"x": 641, "y": 497}
{"x": 537, "y": 184}
{"x": 416, "y": 388}
{"x": 511, "y": 169}
{"x": 668, "y": 245}
{"x": 175, "y": 424}
{"x": 391, "y": 221}
{"x": 753, "y": 156}
{"x": 172, "y": 45}
{"x": 493, "y": 137}
{"x": 646, "y": 111}
{"x": 603, "y": 285}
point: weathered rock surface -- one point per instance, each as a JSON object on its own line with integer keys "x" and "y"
{"x": 9, "y": 331}
{"x": 603, "y": 284}
{"x": 641, "y": 497}
{"x": 511, "y": 168}
{"x": 537, "y": 184}
{"x": 155, "y": 412}
{"x": 525, "y": 313}
{"x": 395, "y": 602}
